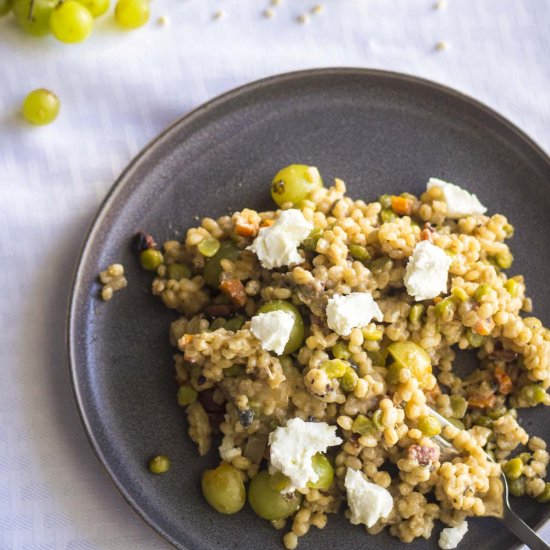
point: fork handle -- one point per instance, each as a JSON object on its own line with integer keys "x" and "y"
{"x": 522, "y": 531}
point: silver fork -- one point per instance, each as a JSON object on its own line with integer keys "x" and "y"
{"x": 505, "y": 513}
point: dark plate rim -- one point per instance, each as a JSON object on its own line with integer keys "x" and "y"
{"x": 185, "y": 120}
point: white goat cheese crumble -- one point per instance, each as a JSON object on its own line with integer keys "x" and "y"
{"x": 272, "y": 329}
{"x": 355, "y": 310}
{"x": 293, "y": 447}
{"x": 368, "y": 502}
{"x": 451, "y": 536}
{"x": 459, "y": 202}
{"x": 427, "y": 271}
{"x": 277, "y": 246}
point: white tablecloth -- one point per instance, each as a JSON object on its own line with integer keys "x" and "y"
{"x": 117, "y": 91}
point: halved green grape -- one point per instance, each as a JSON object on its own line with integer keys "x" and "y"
{"x": 5, "y": 7}
{"x": 208, "y": 247}
{"x": 349, "y": 380}
{"x": 71, "y": 22}
{"x": 95, "y": 7}
{"x": 269, "y": 503}
{"x": 33, "y": 16}
{"x": 340, "y": 350}
{"x": 294, "y": 183}
{"x": 132, "y": 14}
{"x": 413, "y": 357}
{"x": 186, "y": 396}
{"x": 40, "y": 107}
{"x": 212, "y": 269}
{"x": 223, "y": 489}
{"x": 335, "y": 368}
{"x": 297, "y": 333}
{"x": 323, "y": 468}
{"x": 363, "y": 425}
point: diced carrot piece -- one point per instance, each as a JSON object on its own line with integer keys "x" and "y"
{"x": 401, "y": 205}
{"x": 504, "y": 381}
{"x": 426, "y": 235}
{"x": 235, "y": 290}
{"x": 267, "y": 223}
{"x": 437, "y": 299}
{"x": 246, "y": 229}
{"x": 484, "y": 327}
{"x": 482, "y": 401}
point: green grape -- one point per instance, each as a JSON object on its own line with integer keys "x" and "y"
{"x": 294, "y": 183}
{"x": 95, "y": 7}
{"x": 41, "y": 107}
{"x": 131, "y": 14}
{"x": 71, "y": 22}
{"x": 5, "y": 7}
{"x": 33, "y": 16}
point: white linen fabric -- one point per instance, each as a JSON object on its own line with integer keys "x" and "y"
{"x": 117, "y": 91}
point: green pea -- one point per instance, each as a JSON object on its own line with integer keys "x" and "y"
{"x": 511, "y": 285}
{"x": 310, "y": 242}
{"x": 297, "y": 333}
{"x": 213, "y": 269}
{"x": 484, "y": 422}
{"x": 159, "y": 464}
{"x": 380, "y": 265}
{"x": 349, "y": 380}
{"x": 474, "y": 339}
{"x": 269, "y": 503}
{"x": 234, "y": 370}
{"x": 324, "y": 470}
{"x": 545, "y": 495}
{"x": 504, "y": 260}
{"x": 223, "y": 489}
{"x": 178, "y": 272}
{"x": 497, "y": 412}
{"x": 363, "y": 425}
{"x": 150, "y": 259}
{"x": 459, "y": 405}
{"x": 481, "y": 291}
{"x": 516, "y": 487}
{"x": 387, "y": 215}
{"x": 513, "y": 468}
{"x": 459, "y": 293}
{"x": 358, "y": 252}
{"x": 294, "y": 183}
{"x": 335, "y": 368}
{"x": 444, "y": 307}
{"x": 186, "y": 395}
{"x": 416, "y": 312}
{"x": 429, "y": 426}
{"x": 340, "y": 350}
{"x": 218, "y": 322}
{"x": 235, "y": 324}
{"x": 208, "y": 247}
{"x": 385, "y": 201}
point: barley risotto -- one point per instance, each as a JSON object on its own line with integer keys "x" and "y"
{"x": 313, "y": 338}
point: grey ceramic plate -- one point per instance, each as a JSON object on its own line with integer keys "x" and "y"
{"x": 381, "y": 132}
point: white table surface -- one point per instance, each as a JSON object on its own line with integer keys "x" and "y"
{"x": 118, "y": 90}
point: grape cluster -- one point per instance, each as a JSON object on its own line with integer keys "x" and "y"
{"x": 69, "y": 21}
{"x": 72, "y": 20}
